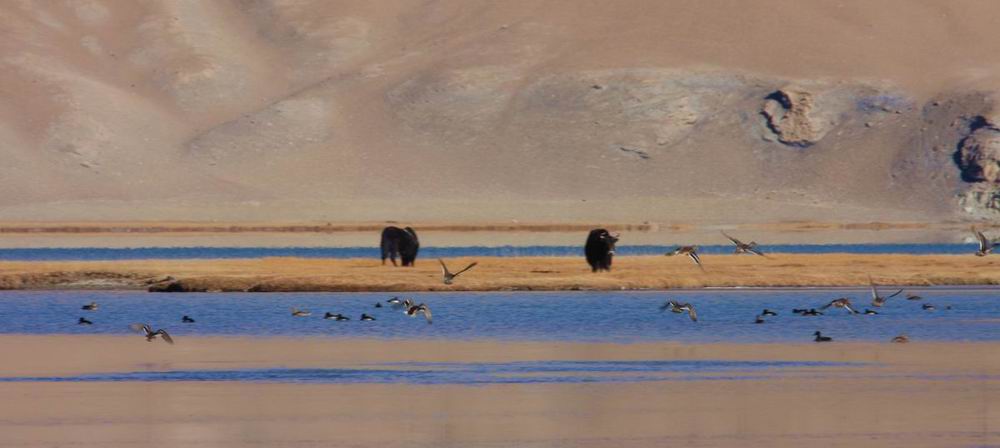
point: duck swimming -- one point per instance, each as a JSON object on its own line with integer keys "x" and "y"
{"x": 758, "y": 320}
{"x": 337, "y": 316}
{"x": 768, "y": 312}
{"x": 187, "y": 319}
{"x": 83, "y": 321}
{"x": 870, "y": 312}
{"x": 300, "y": 313}
{"x": 92, "y": 306}
{"x": 821, "y": 338}
{"x": 901, "y": 339}
{"x": 366, "y": 317}
{"x": 811, "y": 312}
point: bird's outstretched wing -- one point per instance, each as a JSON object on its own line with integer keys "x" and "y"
{"x": 140, "y": 328}
{"x": 166, "y": 336}
{"x": 984, "y": 244}
{"x": 427, "y": 314}
{"x": 697, "y": 260}
{"x": 894, "y": 294}
{"x": 692, "y": 314}
{"x": 470, "y": 266}
{"x": 735, "y": 241}
{"x": 444, "y": 269}
{"x": 827, "y": 305}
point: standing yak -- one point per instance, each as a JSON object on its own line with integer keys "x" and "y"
{"x": 403, "y": 242}
{"x": 599, "y": 249}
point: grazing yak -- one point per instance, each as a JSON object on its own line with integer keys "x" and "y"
{"x": 599, "y": 249}
{"x": 402, "y": 242}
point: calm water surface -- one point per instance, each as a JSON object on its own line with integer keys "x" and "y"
{"x": 724, "y": 315}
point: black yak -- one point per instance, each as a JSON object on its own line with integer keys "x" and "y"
{"x": 402, "y": 242}
{"x": 599, "y": 249}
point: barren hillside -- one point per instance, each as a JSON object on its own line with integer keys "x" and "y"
{"x": 465, "y": 110}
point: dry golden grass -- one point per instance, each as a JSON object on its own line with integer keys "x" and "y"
{"x": 492, "y": 273}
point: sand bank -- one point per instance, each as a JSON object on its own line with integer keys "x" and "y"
{"x": 498, "y": 273}
{"x": 912, "y": 395}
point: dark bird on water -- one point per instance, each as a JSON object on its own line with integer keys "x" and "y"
{"x": 928, "y": 307}
{"x": 378, "y": 304}
{"x": 809, "y": 312}
{"x": 821, "y": 338}
{"x": 366, "y": 317}
{"x": 337, "y": 316}
{"x": 92, "y": 306}
{"x": 148, "y": 332}
{"x": 768, "y": 312}
{"x": 84, "y": 321}
{"x": 985, "y": 245}
{"x": 690, "y": 251}
{"x": 447, "y": 276}
{"x": 913, "y": 297}
{"x": 758, "y": 320}
{"x": 187, "y": 319}
{"x": 870, "y": 312}
{"x": 901, "y": 339}
{"x": 842, "y": 302}
{"x": 744, "y": 248}
{"x": 677, "y": 307}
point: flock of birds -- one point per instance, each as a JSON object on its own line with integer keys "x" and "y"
{"x": 412, "y": 309}
{"x": 986, "y": 247}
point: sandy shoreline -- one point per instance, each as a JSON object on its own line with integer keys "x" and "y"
{"x": 502, "y": 273}
{"x": 922, "y": 395}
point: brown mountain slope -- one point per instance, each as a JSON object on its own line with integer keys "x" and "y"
{"x": 706, "y": 111}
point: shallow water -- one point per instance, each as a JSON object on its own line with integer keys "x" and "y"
{"x": 472, "y": 373}
{"x": 725, "y": 315}
{"x": 104, "y": 253}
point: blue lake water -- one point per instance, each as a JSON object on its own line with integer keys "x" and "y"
{"x": 103, "y": 253}
{"x": 724, "y": 315}
{"x": 528, "y": 372}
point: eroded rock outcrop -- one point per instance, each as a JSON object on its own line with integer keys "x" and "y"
{"x": 789, "y": 114}
{"x": 979, "y": 153}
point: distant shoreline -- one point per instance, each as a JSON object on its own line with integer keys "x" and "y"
{"x": 195, "y": 227}
{"x": 501, "y": 273}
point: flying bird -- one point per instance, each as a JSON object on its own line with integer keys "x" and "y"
{"x": 148, "y": 332}
{"x": 447, "y": 276}
{"x": 877, "y": 300}
{"x": 744, "y": 248}
{"x": 842, "y": 302}
{"x": 92, "y": 306}
{"x": 300, "y": 313}
{"x": 420, "y": 309}
{"x": 985, "y": 246}
{"x": 690, "y": 251}
{"x": 677, "y": 307}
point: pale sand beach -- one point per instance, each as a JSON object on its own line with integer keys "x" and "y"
{"x": 503, "y": 273}
{"x": 914, "y": 395}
